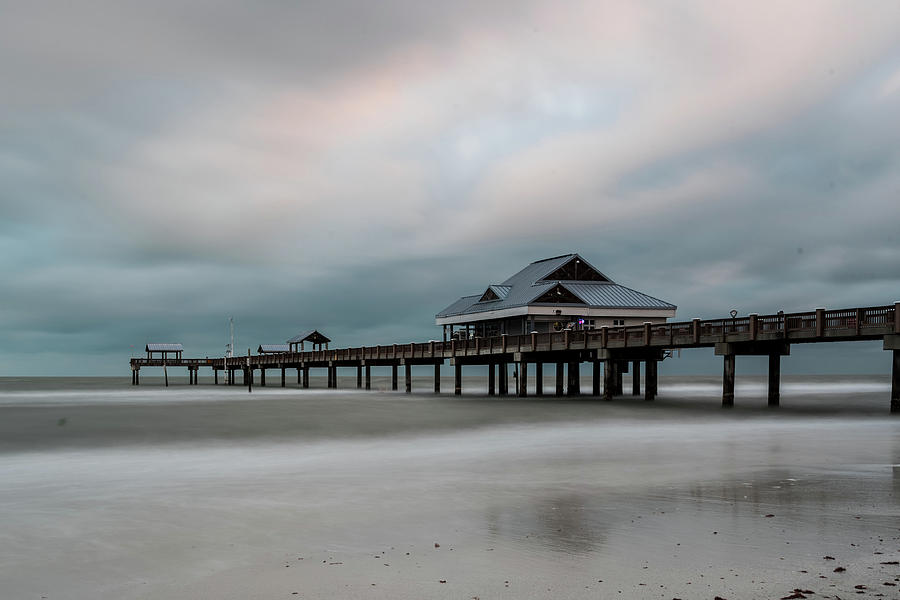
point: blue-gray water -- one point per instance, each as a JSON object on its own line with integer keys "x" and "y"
{"x": 110, "y": 491}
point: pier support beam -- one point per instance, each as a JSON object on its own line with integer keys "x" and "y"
{"x": 595, "y": 377}
{"x": 368, "y": 377}
{"x": 560, "y": 368}
{"x": 892, "y": 344}
{"x": 636, "y": 377}
{"x": 262, "y": 378}
{"x": 609, "y": 379}
{"x": 539, "y": 378}
{"x": 283, "y": 382}
{"x": 574, "y": 379}
{"x": 437, "y": 378}
{"x": 619, "y": 370}
{"x": 774, "y": 379}
{"x": 523, "y": 379}
{"x": 503, "y": 374}
{"x": 650, "y": 379}
{"x": 492, "y": 383}
{"x": 299, "y": 377}
{"x": 895, "y": 383}
{"x": 394, "y": 376}
{"x": 728, "y": 381}
{"x": 215, "y": 377}
{"x": 306, "y": 377}
{"x": 407, "y": 377}
{"x": 359, "y": 370}
{"x": 457, "y": 379}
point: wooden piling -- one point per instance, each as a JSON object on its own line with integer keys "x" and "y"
{"x": 394, "y": 376}
{"x": 595, "y": 377}
{"x": 774, "y": 379}
{"x": 215, "y": 377}
{"x": 636, "y": 378}
{"x": 407, "y": 376}
{"x": 359, "y": 375}
{"x": 437, "y": 378}
{"x": 609, "y": 380}
{"x": 306, "y": 377}
{"x": 538, "y": 378}
{"x": 523, "y": 380}
{"x": 728, "y": 381}
{"x": 895, "y": 383}
{"x": 560, "y": 369}
{"x": 262, "y": 377}
{"x": 283, "y": 382}
{"x": 492, "y": 371}
{"x": 457, "y": 378}
{"x": 503, "y": 374}
{"x": 368, "y": 377}
{"x": 650, "y": 379}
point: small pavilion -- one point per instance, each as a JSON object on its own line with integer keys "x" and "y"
{"x": 553, "y": 294}
{"x": 314, "y": 337}
{"x": 164, "y": 350}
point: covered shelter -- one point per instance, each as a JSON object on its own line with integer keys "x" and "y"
{"x": 314, "y": 337}
{"x": 273, "y": 349}
{"x": 553, "y": 294}
{"x": 164, "y": 350}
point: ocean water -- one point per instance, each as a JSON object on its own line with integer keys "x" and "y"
{"x": 114, "y": 491}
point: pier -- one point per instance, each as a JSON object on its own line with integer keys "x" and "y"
{"x": 609, "y": 350}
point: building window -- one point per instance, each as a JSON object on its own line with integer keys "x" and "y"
{"x": 618, "y": 322}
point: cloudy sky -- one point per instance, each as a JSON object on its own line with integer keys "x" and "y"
{"x": 356, "y": 166}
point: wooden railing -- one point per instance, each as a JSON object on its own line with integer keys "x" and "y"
{"x": 817, "y": 325}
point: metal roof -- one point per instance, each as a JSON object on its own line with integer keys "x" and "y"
{"x": 164, "y": 348}
{"x": 273, "y": 348}
{"x": 309, "y": 336}
{"x": 527, "y": 285}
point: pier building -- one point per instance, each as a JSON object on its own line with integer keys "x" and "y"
{"x": 551, "y": 295}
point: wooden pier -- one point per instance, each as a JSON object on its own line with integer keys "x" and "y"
{"x": 613, "y": 348}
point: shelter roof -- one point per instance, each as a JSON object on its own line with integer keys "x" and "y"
{"x": 313, "y": 336}
{"x": 164, "y": 348}
{"x": 273, "y": 348}
{"x": 572, "y": 280}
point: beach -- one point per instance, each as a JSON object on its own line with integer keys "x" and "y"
{"x": 112, "y": 491}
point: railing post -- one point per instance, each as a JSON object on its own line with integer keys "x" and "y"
{"x": 503, "y": 342}
{"x": 859, "y": 318}
{"x": 431, "y": 348}
{"x": 754, "y": 326}
{"x": 566, "y": 338}
{"x": 646, "y": 333}
{"x": 820, "y": 322}
{"x": 453, "y": 347}
{"x": 412, "y": 349}
{"x": 604, "y": 336}
{"x": 394, "y": 351}
{"x": 533, "y": 342}
{"x": 696, "y": 326}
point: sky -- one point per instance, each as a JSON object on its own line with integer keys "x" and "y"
{"x": 357, "y": 166}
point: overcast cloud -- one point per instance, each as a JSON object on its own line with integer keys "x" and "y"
{"x": 357, "y": 166}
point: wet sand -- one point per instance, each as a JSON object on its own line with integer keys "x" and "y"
{"x": 110, "y": 492}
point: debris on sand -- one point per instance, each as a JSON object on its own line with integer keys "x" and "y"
{"x": 828, "y": 557}
{"x": 839, "y": 570}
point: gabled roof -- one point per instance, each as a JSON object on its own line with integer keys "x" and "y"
{"x": 273, "y": 348}
{"x": 164, "y": 348}
{"x": 309, "y": 336}
{"x": 531, "y": 285}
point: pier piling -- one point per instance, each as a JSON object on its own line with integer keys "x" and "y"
{"x": 539, "y": 378}
{"x": 728, "y": 381}
{"x": 560, "y": 368}
{"x": 437, "y": 378}
{"x": 407, "y": 376}
{"x": 774, "y": 379}
{"x": 636, "y": 377}
{"x": 394, "y": 377}
{"x": 457, "y": 378}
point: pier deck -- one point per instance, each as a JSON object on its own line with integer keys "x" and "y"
{"x": 613, "y": 347}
